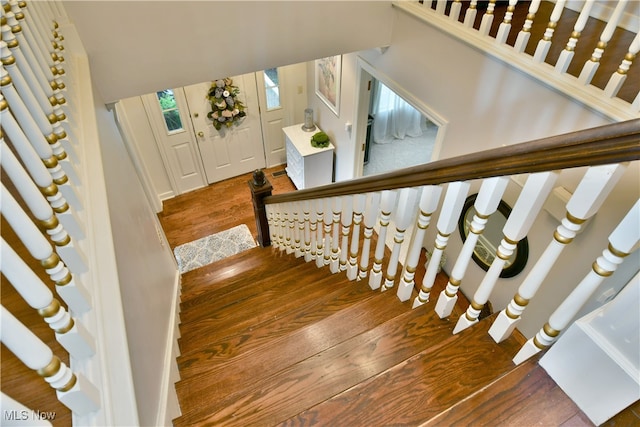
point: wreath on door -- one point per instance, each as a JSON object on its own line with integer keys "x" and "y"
{"x": 226, "y": 108}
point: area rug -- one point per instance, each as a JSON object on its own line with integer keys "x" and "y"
{"x": 213, "y": 248}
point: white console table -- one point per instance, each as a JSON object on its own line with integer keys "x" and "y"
{"x": 307, "y": 166}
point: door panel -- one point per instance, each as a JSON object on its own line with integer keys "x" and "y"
{"x": 230, "y": 151}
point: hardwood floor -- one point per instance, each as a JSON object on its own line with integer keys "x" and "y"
{"x": 267, "y": 339}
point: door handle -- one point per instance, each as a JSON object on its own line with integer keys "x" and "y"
{"x": 201, "y": 134}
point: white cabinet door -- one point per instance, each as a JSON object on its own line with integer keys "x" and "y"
{"x": 231, "y": 151}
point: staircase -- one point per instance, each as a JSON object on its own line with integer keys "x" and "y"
{"x": 268, "y": 339}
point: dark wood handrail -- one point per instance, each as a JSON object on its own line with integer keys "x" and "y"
{"x": 608, "y": 144}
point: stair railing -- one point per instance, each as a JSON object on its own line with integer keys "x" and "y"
{"x": 460, "y": 20}
{"x": 50, "y": 155}
{"x": 413, "y": 195}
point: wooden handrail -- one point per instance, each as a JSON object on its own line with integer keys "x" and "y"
{"x": 613, "y": 143}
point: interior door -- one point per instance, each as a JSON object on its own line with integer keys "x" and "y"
{"x": 168, "y": 113}
{"x": 273, "y": 117}
{"x": 231, "y": 151}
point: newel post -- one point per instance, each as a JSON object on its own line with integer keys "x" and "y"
{"x": 260, "y": 188}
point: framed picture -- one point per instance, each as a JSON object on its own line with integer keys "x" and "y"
{"x": 328, "y": 72}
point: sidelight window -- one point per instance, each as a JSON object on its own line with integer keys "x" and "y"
{"x": 169, "y": 109}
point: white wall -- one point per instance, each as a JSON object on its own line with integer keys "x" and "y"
{"x": 488, "y": 104}
{"x": 138, "y": 47}
{"x": 146, "y": 269}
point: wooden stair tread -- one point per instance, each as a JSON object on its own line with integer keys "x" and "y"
{"x": 419, "y": 388}
{"x": 525, "y": 393}
{"x": 313, "y": 380}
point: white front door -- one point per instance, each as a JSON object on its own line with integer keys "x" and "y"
{"x": 273, "y": 117}
{"x": 231, "y": 151}
{"x": 168, "y": 113}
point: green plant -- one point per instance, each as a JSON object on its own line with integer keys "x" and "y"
{"x": 320, "y": 140}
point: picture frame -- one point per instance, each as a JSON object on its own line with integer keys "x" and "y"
{"x": 328, "y": 73}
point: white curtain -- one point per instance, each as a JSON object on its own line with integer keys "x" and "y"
{"x": 393, "y": 116}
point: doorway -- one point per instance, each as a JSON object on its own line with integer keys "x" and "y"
{"x": 398, "y": 135}
{"x": 412, "y": 145}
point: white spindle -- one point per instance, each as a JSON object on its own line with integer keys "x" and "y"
{"x": 336, "y": 208}
{"x": 289, "y": 228}
{"x": 428, "y": 204}
{"x": 590, "y": 67}
{"x": 313, "y": 230}
{"x": 543, "y": 45}
{"x": 447, "y": 222}
{"x": 387, "y": 203}
{"x": 593, "y": 189}
{"x": 441, "y": 5}
{"x": 404, "y": 214}
{"x": 525, "y": 32}
{"x": 347, "y": 218}
{"x": 71, "y": 335}
{"x": 622, "y": 241}
{"x": 359, "y": 202}
{"x": 298, "y": 230}
{"x": 41, "y": 209}
{"x": 486, "y": 204}
{"x": 306, "y": 217}
{"x": 529, "y": 203}
{"x": 328, "y": 222}
{"x": 369, "y": 221}
{"x": 487, "y": 19}
{"x": 619, "y": 77}
{"x": 454, "y": 12}
{"x": 25, "y": 131}
{"x": 320, "y": 249}
{"x": 505, "y": 25}
{"x": 67, "y": 286}
{"x": 271, "y": 218}
{"x": 74, "y": 391}
{"x": 471, "y": 13}
{"x": 14, "y": 414}
{"x": 567, "y": 54}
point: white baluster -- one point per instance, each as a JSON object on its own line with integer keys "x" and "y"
{"x": 486, "y": 204}
{"x": 404, "y": 214}
{"x": 71, "y": 291}
{"x": 447, "y": 222}
{"x": 298, "y": 231}
{"x": 593, "y": 189}
{"x": 71, "y": 335}
{"x": 74, "y": 391}
{"x": 387, "y": 202}
{"x": 619, "y": 77}
{"x": 590, "y": 67}
{"x": 543, "y": 45}
{"x": 370, "y": 215}
{"x": 288, "y": 228}
{"x": 306, "y": 233}
{"x": 428, "y": 204}
{"x": 313, "y": 231}
{"x": 441, "y": 5}
{"x": 41, "y": 210}
{"x": 505, "y": 25}
{"x": 13, "y": 413}
{"x": 336, "y": 208}
{"x": 622, "y": 241}
{"x": 24, "y": 130}
{"x": 270, "y": 209}
{"x": 471, "y": 13}
{"x": 529, "y": 203}
{"x": 525, "y": 32}
{"x": 359, "y": 201}
{"x": 567, "y": 54}
{"x": 456, "y": 7}
{"x": 42, "y": 178}
{"x": 347, "y": 218}
{"x": 328, "y": 217}
{"x": 487, "y": 19}
{"x": 319, "y": 233}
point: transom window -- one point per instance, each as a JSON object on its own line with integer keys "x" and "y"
{"x": 169, "y": 109}
{"x": 272, "y": 88}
